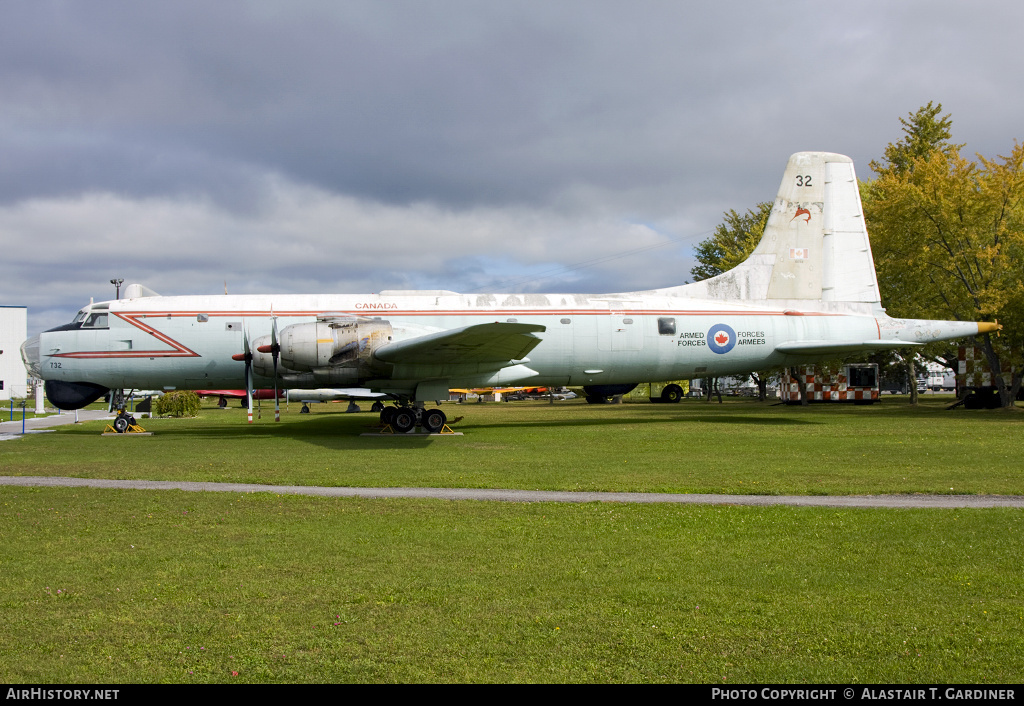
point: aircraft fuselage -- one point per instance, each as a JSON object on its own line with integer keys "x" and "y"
{"x": 188, "y": 342}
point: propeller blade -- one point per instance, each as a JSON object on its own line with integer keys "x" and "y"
{"x": 275, "y": 352}
{"x": 247, "y": 356}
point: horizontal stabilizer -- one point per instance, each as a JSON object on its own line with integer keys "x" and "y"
{"x": 482, "y": 343}
{"x": 837, "y": 347}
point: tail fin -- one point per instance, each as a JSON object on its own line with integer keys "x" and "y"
{"x": 815, "y": 245}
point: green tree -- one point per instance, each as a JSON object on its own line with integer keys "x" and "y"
{"x": 948, "y": 237}
{"x": 731, "y": 243}
{"x": 924, "y": 132}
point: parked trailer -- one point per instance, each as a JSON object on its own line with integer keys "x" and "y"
{"x": 974, "y": 378}
{"x": 855, "y": 382}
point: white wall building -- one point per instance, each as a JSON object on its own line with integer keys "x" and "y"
{"x": 13, "y": 332}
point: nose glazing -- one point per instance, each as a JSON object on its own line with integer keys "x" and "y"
{"x": 30, "y": 356}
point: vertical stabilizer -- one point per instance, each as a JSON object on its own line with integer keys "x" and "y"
{"x": 815, "y": 245}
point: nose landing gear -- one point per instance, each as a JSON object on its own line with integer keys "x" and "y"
{"x": 124, "y": 422}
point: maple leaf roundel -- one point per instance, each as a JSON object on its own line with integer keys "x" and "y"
{"x": 721, "y": 338}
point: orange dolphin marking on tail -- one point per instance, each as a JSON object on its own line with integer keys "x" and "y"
{"x": 801, "y": 212}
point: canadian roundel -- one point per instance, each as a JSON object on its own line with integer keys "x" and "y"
{"x": 721, "y": 338}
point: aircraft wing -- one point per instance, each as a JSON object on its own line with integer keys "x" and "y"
{"x": 495, "y": 342}
{"x": 837, "y": 347}
{"x": 331, "y": 394}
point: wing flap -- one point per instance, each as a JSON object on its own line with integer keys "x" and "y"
{"x": 497, "y": 342}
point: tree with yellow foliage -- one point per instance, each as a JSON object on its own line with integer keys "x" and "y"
{"x": 947, "y": 235}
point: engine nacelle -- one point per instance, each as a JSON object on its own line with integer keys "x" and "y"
{"x": 338, "y": 350}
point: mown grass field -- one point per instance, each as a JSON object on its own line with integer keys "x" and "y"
{"x": 147, "y": 586}
{"x": 736, "y": 447}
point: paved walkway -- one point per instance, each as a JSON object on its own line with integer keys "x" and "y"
{"x": 530, "y": 496}
{"x": 10, "y": 430}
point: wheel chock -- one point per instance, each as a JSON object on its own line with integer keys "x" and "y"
{"x": 132, "y": 429}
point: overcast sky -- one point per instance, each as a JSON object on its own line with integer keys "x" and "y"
{"x": 345, "y": 146}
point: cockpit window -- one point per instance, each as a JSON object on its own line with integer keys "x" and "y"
{"x": 84, "y": 319}
{"x": 96, "y": 321}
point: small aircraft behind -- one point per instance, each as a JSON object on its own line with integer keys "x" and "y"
{"x": 306, "y": 397}
{"x": 333, "y": 394}
{"x": 240, "y": 394}
{"x": 807, "y": 292}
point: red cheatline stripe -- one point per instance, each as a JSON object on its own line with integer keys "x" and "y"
{"x": 181, "y": 351}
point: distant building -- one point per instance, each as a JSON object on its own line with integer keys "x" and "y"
{"x": 937, "y": 378}
{"x": 13, "y": 332}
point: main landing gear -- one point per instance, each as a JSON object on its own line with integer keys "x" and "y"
{"x": 404, "y": 419}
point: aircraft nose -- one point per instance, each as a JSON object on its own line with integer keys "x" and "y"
{"x": 30, "y": 355}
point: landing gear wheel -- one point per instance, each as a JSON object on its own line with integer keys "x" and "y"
{"x": 434, "y": 421}
{"x": 387, "y": 415}
{"x": 403, "y": 420}
{"x": 672, "y": 393}
{"x": 597, "y": 399}
{"x": 121, "y": 424}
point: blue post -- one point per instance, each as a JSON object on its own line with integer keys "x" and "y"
{"x": 22, "y": 417}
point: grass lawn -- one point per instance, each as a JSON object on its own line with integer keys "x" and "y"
{"x": 738, "y": 447}
{"x": 147, "y": 586}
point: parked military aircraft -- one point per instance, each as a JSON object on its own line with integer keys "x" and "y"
{"x": 333, "y": 394}
{"x": 808, "y": 291}
{"x": 240, "y": 394}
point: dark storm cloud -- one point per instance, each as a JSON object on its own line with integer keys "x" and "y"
{"x": 454, "y": 101}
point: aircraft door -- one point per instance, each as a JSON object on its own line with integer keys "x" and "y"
{"x": 562, "y": 337}
{"x": 620, "y": 330}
